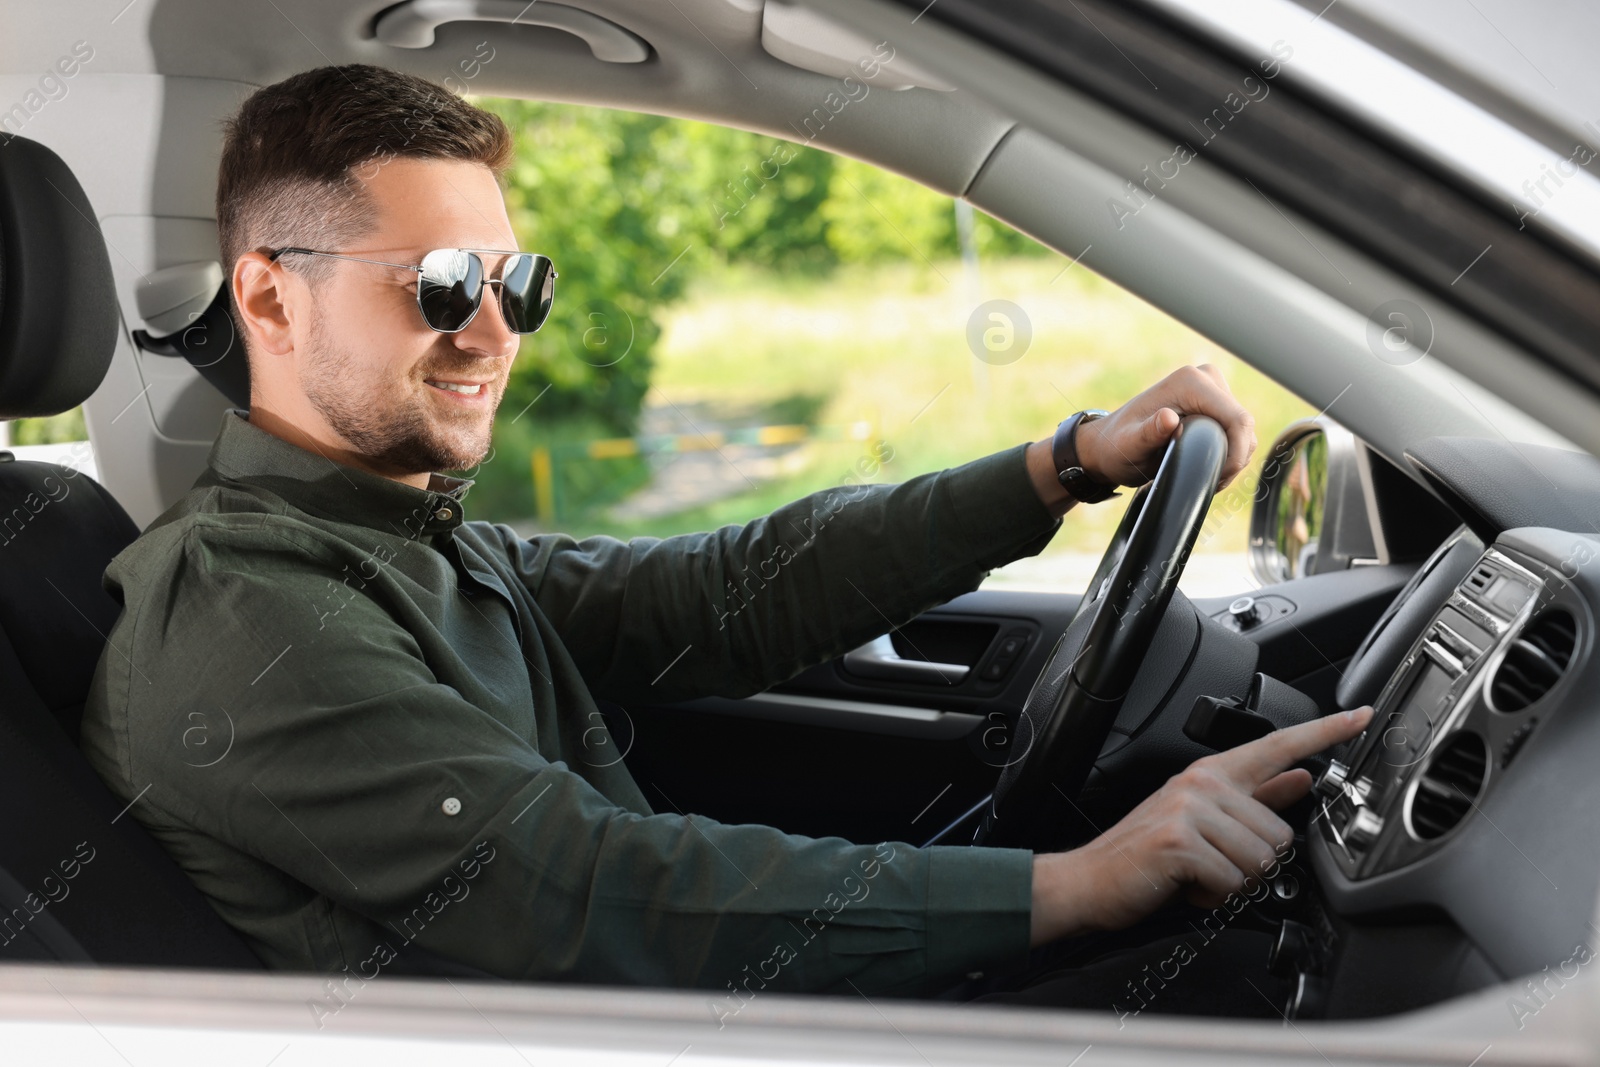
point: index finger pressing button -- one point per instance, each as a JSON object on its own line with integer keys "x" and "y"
{"x": 1262, "y": 760}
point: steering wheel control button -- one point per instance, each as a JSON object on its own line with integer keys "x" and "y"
{"x": 451, "y": 806}
{"x": 1364, "y": 828}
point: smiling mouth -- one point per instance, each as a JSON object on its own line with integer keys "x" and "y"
{"x": 464, "y": 388}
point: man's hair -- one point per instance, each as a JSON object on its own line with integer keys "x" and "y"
{"x": 293, "y": 156}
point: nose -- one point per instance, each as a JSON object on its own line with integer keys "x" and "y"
{"x": 488, "y": 334}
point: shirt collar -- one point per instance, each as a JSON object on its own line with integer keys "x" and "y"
{"x": 244, "y": 452}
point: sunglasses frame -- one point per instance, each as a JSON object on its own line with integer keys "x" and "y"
{"x": 418, "y": 268}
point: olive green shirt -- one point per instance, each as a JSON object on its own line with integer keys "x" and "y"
{"x": 367, "y": 728}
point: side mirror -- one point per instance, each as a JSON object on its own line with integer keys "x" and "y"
{"x": 1310, "y": 512}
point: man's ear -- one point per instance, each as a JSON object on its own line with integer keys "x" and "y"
{"x": 260, "y": 299}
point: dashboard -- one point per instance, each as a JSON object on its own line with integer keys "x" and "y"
{"x": 1475, "y": 790}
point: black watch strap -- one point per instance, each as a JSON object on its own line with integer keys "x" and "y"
{"x": 1069, "y": 471}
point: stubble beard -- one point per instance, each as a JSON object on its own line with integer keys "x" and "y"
{"x": 394, "y": 431}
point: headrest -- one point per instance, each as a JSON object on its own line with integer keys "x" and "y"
{"x": 58, "y": 306}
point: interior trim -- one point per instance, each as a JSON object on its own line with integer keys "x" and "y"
{"x": 830, "y": 713}
{"x": 858, "y": 707}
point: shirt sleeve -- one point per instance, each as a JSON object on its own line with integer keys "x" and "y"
{"x": 753, "y": 605}
{"x": 343, "y": 750}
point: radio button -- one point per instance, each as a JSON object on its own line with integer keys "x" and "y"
{"x": 1364, "y": 828}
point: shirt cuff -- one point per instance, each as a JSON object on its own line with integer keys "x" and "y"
{"x": 980, "y": 909}
{"x": 998, "y": 510}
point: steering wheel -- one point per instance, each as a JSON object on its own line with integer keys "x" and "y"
{"x": 1074, "y": 702}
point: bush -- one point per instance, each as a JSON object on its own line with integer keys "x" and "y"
{"x": 56, "y": 429}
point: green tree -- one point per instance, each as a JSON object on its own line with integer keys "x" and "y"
{"x": 589, "y": 188}
{"x": 875, "y": 216}
{"x": 629, "y": 207}
{"x": 757, "y": 200}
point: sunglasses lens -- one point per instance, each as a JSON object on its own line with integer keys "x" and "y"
{"x": 526, "y": 292}
{"x": 449, "y": 288}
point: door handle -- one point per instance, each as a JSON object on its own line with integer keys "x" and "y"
{"x": 878, "y": 659}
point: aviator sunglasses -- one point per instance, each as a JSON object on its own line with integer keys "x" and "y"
{"x": 450, "y": 284}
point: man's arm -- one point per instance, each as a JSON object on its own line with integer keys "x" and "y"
{"x": 739, "y": 609}
{"x": 349, "y": 766}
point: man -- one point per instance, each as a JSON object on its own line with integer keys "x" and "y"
{"x": 358, "y": 720}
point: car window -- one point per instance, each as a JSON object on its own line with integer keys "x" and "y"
{"x": 741, "y": 320}
{"x": 62, "y": 439}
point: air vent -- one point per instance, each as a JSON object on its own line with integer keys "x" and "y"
{"x": 1449, "y": 787}
{"x": 1479, "y": 579}
{"x": 1535, "y": 661}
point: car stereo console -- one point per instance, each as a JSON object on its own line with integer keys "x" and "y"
{"x": 1452, "y": 718}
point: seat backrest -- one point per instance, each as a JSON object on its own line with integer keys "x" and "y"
{"x": 58, "y": 530}
{"x": 80, "y": 880}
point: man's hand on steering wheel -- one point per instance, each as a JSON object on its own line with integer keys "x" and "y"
{"x": 1206, "y": 831}
{"x": 1126, "y": 447}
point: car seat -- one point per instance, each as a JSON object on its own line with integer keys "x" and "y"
{"x": 80, "y": 880}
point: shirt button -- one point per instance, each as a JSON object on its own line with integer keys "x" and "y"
{"x": 443, "y": 514}
{"x": 451, "y": 806}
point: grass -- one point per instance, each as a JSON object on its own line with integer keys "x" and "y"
{"x": 888, "y": 345}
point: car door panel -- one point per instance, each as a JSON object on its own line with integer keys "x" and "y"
{"x": 852, "y": 749}
{"x": 856, "y": 748}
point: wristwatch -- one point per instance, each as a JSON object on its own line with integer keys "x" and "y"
{"x": 1074, "y": 479}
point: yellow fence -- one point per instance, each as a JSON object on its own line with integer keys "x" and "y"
{"x": 545, "y": 457}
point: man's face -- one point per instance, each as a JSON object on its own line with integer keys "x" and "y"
{"x": 365, "y": 361}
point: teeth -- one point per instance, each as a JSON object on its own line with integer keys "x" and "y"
{"x": 469, "y": 390}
